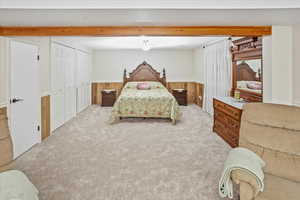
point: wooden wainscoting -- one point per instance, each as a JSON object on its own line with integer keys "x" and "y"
{"x": 194, "y": 90}
{"x": 3, "y": 111}
{"x": 6, "y": 146}
{"x": 189, "y": 86}
{"x": 199, "y": 94}
{"x": 45, "y": 116}
{"x": 98, "y": 87}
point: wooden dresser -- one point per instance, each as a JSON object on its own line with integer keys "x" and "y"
{"x": 181, "y": 96}
{"x": 227, "y": 119}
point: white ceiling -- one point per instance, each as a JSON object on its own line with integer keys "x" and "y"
{"x": 147, "y": 17}
{"x": 137, "y": 42}
{"x": 157, "y": 4}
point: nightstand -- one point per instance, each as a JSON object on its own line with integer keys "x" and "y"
{"x": 181, "y": 96}
{"x": 108, "y": 97}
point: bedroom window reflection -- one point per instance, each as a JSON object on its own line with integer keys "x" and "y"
{"x": 249, "y": 75}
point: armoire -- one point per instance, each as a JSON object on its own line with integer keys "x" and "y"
{"x": 70, "y": 83}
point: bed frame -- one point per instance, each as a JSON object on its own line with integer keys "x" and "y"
{"x": 245, "y": 73}
{"x": 144, "y": 72}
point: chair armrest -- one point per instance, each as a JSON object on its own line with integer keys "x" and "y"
{"x": 249, "y": 188}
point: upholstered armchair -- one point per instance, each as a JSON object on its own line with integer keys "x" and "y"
{"x": 273, "y": 132}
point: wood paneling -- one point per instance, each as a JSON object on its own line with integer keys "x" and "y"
{"x": 3, "y": 111}
{"x": 194, "y": 90}
{"x": 45, "y": 106}
{"x": 98, "y": 87}
{"x": 6, "y": 147}
{"x": 137, "y": 31}
{"x": 199, "y": 94}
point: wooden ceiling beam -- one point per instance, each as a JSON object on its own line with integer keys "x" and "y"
{"x": 137, "y": 31}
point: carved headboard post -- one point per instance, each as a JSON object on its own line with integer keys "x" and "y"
{"x": 124, "y": 77}
{"x": 164, "y": 79}
{"x": 144, "y": 72}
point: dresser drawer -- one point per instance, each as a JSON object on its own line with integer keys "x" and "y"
{"x": 229, "y": 110}
{"x": 222, "y": 130}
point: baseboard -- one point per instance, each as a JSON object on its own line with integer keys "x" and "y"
{"x": 297, "y": 103}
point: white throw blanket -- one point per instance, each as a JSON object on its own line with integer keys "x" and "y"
{"x": 14, "y": 185}
{"x": 245, "y": 160}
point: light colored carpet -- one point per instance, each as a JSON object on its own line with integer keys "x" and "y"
{"x": 136, "y": 159}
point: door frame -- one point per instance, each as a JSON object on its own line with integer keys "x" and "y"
{"x": 9, "y": 82}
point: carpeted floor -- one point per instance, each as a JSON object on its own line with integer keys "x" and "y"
{"x": 136, "y": 159}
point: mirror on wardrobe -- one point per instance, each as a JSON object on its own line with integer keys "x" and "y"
{"x": 247, "y": 68}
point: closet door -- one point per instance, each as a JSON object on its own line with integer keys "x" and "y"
{"x": 57, "y": 85}
{"x": 83, "y": 81}
{"x": 70, "y": 87}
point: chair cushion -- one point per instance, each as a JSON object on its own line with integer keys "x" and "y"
{"x": 277, "y": 188}
{"x": 273, "y": 132}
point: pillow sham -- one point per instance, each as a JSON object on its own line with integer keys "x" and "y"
{"x": 143, "y": 86}
{"x": 153, "y": 84}
{"x": 254, "y": 85}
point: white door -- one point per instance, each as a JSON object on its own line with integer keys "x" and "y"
{"x": 58, "y": 87}
{"x": 25, "y": 101}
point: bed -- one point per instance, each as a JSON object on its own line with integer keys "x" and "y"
{"x": 152, "y": 101}
{"x": 248, "y": 79}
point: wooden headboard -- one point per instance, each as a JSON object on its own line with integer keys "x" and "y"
{"x": 246, "y": 73}
{"x": 144, "y": 72}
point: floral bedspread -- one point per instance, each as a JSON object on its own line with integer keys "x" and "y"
{"x": 156, "y": 102}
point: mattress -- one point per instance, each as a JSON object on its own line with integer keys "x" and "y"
{"x": 156, "y": 102}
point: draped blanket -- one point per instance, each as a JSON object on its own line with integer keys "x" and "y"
{"x": 245, "y": 160}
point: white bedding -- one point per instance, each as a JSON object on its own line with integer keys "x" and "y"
{"x": 243, "y": 86}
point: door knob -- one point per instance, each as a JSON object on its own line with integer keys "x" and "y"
{"x": 15, "y": 100}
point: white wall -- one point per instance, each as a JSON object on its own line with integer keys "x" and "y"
{"x": 267, "y": 69}
{"x": 108, "y": 65}
{"x": 198, "y": 65}
{"x": 296, "y": 64}
{"x": 282, "y": 65}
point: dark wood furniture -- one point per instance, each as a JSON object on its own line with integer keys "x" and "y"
{"x": 247, "y": 48}
{"x": 227, "y": 120}
{"x": 108, "y": 97}
{"x": 246, "y": 73}
{"x": 181, "y": 96}
{"x": 144, "y": 72}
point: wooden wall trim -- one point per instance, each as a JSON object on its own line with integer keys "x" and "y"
{"x": 137, "y": 31}
{"x": 194, "y": 90}
{"x": 45, "y": 117}
{"x": 6, "y": 146}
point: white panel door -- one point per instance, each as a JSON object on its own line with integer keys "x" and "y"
{"x": 70, "y": 88}
{"x": 83, "y": 81}
{"x": 25, "y": 99}
{"x": 70, "y": 103}
{"x": 57, "y": 110}
{"x": 58, "y": 87}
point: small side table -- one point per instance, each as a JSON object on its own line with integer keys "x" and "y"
{"x": 108, "y": 97}
{"x": 181, "y": 96}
